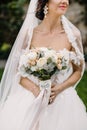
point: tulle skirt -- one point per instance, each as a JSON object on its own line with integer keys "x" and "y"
{"x": 22, "y": 111}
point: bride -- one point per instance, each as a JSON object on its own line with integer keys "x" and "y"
{"x": 23, "y": 106}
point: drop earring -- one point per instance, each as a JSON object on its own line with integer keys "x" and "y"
{"x": 45, "y": 11}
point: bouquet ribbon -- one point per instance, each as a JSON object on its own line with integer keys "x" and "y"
{"x": 37, "y": 108}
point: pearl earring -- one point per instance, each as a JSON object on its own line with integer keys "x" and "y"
{"x": 45, "y": 11}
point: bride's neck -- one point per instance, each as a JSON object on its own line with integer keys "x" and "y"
{"x": 51, "y": 24}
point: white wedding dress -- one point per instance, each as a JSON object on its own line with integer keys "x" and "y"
{"x": 24, "y": 111}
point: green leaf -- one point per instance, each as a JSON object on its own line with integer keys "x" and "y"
{"x": 64, "y": 67}
{"x": 49, "y": 60}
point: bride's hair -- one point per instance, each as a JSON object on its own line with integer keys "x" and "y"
{"x": 40, "y": 9}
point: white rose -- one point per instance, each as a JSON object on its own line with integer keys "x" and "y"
{"x": 41, "y": 62}
{"x": 52, "y": 54}
{"x": 34, "y": 68}
{"x": 65, "y": 57}
{"x": 54, "y": 59}
{"x": 32, "y": 55}
{"x": 65, "y": 54}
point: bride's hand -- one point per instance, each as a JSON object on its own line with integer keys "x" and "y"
{"x": 29, "y": 85}
{"x": 36, "y": 91}
{"x": 55, "y": 90}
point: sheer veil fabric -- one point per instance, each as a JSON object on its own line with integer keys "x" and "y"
{"x": 22, "y": 40}
{"x": 23, "y": 43}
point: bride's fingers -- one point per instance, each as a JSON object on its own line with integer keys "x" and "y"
{"x": 52, "y": 86}
{"x": 52, "y": 98}
{"x": 53, "y": 89}
{"x": 52, "y": 94}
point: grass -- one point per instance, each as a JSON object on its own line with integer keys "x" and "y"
{"x": 1, "y": 72}
{"x": 81, "y": 87}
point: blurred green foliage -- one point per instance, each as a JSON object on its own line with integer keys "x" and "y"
{"x": 5, "y": 50}
{"x": 84, "y": 2}
{"x": 82, "y": 89}
{"x": 86, "y": 57}
{"x": 1, "y": 72}
{"x": 11, "y": 18}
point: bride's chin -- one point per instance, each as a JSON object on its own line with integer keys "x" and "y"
{"x": 61, "y": 12}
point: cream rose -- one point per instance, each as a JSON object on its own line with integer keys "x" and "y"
{"x": 41, "y": 62}
{"x": 59, "y": 66}
{"x": 59, "y": 56}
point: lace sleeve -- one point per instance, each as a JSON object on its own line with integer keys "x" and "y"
{"x": 75, "y": 58}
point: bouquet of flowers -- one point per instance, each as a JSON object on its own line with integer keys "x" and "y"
{"x": 42, "y": 63}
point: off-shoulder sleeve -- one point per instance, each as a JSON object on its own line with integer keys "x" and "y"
{"x": 75, "y": 58}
